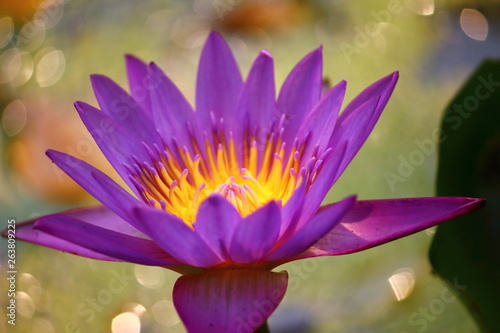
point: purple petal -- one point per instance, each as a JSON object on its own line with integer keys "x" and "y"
{"x": 103, "y": 217}
{"x": 175, "y": 237}
{"x": 124, "y": 110}
{"x": 173, "y": 115}
{"x": 320, "y": 122}
{"x": 219, "y": 81}
{"x": 256, "y": 234}
{"x": 360, "y": 116}
{"x": 313, "y": 231}
{"x": 322, "y": 184}
{"x": 116, "y": 144}
{"x": 374, "y": 222}
{"x": 382, "y": 89}
{"x": 95, "y": 182}
{"x": 291, "y": 211}
{"x": 257, "y": 101}
{"x": 228, "y": 300}
{"x": 110, "y": 243}
{"x": 299, "y": 93}
{"x": 137, "y": 72}
{"x": 99, "y": 215}
{"x": 215, "y": 223}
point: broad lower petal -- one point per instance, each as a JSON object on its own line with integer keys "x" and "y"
{"x": 100, "y": 240}
{"x": 228, "y": 300}
{"x": 99, "y": 215}
{"x": 175, "y": 237}
{"x": 215, "y": 223}
{"x": 256, "y": 235}
{"x": 374, "y": 222}
{"x": 313, "y": 231}
{"x": 218, "y": 82}
{"x": 103, "y": 217}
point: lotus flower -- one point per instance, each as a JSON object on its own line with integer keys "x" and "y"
{"x": 225, "y": 193}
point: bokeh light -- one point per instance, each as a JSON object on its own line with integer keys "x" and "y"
{"x": 126, "y": 322}
{"x": 402, "y": 283}
{"x": 474, "y": 24}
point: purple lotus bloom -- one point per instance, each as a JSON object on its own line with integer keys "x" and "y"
{"x": 228, "y": 192}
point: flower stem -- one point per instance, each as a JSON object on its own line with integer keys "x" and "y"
{"x": 263, "y": 329}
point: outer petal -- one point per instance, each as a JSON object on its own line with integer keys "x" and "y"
{"x": 313, "y": 231}
{"x": 299, "y": 93}
{"x": 116, "y": 144}
{"x": 175, "y": 237}
{"x": 219, "y": 81}
{"x": 374, "y": 222}
{"x": 256, "y": 235}
{"x": 227, "y": 300}
{"x": 105, "y": 241}
{"x": 215, "y": 223}
{"x": 99, "y": 215}
{"x": 97, "y": 184}
{"x": 137, "y": 72}
{"x": 382, "y": 89}
{"x": 360, "y": 116}
{"x": 124, "y": 110}
{"x": 353, "y": 131}
{"x": 103, "y": 217}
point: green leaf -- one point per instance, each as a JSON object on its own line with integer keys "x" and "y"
{"x": 466, "y": 251}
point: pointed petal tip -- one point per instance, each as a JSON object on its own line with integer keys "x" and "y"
{"x": 341, "y": 85}
{"x": 265, "y": 54}
{"x": 130, "y": 58}
{"x": 395, "y": 76}
{"x": 98, "y": 78}
{"x": 78, "y": 106}
{"x": 316, "y": 53}
{"x": 51, "y": 152}
{"x": 214, "y": 35}
{"x": 215, "y": 40}
{"x": 56, "y": 156}
{"x": 473, "y": 203}
{"x": 81, "y": 106}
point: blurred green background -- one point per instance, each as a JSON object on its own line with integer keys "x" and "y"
{"x": 49, "y": 48}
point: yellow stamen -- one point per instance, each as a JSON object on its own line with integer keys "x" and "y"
{"x": 179, "y": 186}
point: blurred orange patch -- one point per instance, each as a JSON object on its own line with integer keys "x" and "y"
{"x": 60, "y": 131}
{"x": 20, "y": 10}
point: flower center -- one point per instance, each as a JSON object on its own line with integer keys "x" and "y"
{"x": 179, "y": 179}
